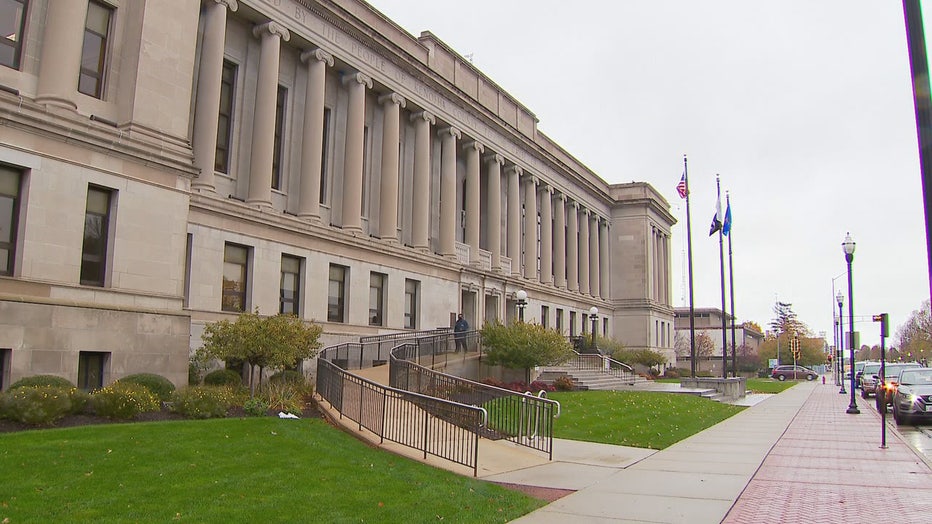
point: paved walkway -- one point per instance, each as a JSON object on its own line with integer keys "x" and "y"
{"x": 792, "y": 457}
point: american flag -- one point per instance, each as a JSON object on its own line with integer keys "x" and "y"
{"x": 681, "y": 187}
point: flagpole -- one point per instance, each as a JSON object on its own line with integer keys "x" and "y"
{"x": 731, "y": 287}
{"x": 721, "y": 260}
{"x": 689, "y": 249}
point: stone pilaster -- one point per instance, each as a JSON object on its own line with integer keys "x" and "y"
{"x": 473, "y": 151}
{"x": 583, "y": 251}
{"x": 420, "y": 214}
{"x": 513, "y": 174}
{"x": 494, "y": 209}
{"x": 356, "y": 84}
{"x": 594, "y": 275}
{"x": 448, "y": 137}
{"x": 388, "y": 197}
{"x": 530, "y": 228}
{"x": 559, "y": 241}
{"x": 572, "y": 247}
{"x": 263, "y": 124}
{"x": 60, "y": 61}
{"x": 312, "y": 144}
{"x": 546, "y": 235}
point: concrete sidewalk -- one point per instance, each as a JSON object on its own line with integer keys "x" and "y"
{"x": 794, "y": 457}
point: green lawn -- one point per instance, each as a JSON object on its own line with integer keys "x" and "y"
{"x": 231, "y": 470}
{"x": 635, "y": 418}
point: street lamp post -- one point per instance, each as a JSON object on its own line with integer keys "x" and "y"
{"x": 521, "y": 297}
{"x": 848, "y": 248}
{"x": 593, "y": 316}
{"x": 841, "y": 342}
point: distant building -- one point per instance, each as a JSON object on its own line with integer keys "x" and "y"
{"x": 709, "y": 322}
{"x": 164, "y": 165}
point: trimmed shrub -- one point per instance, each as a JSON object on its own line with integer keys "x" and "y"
{"x": 35, "y": 405}
{"x": 43, "y": 380}
{"x": 80, "y": 401}
{"x": 256, "y": 407}
{"x": 284, "y": 396}
{"x": 223, "y": 377}
{"x": 288, "y": 375}
{"x": 564, "y": 383}
{"x": 202, "y": 401}
{"x": 124, "y": 400}
{"x": 160, "y": 386}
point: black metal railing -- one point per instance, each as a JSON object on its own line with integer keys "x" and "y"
{"x": 602, "y": 364}
{"x": 438, "y": 427}
{"x": 524, "y": 419}
{"x": 371, "y": 351}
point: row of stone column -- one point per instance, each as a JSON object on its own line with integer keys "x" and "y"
{"x": 583, "y": 269}
{"x": 660, "y": 260}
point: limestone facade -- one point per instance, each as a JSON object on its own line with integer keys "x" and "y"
{"x": 287, "y": 155}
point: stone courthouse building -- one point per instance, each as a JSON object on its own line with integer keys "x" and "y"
{"x": 169, "y": 163}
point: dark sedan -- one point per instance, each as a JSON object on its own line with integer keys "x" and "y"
{"x": 782, "y": 373}
{"x": 913, "y": 397}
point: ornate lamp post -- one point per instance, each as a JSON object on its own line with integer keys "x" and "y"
{"x": 841, "y": 342}
{"x": 521, "y": 297}
{"x": 848, "y": 247}
{"x": 593, "y": 316}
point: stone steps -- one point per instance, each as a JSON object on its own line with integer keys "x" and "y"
{"x": 586, "y": 379}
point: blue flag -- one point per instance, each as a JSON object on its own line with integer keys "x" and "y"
{"x": 726, "y": 225}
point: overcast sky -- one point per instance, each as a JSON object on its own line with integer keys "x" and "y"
{"x": 803, "y": 107}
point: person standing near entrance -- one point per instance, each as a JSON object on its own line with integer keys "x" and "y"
{"x": 459, "y": 332}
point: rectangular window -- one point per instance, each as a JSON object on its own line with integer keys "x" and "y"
{"x": 545, "y": 316}
{"x": 235, "y": 278}
{"x": 290, "y": 297}
{"x": 336, "y": 294}
{"x": 91, "y": 367}
{"x": 365, "y": 177}
{"x": 572, "y": 323}
{"x": 278, "y": 137}
{"x": 10, "y": 182}
{"x": 225, "y": 118}
{"x": 188, "y": 253}
{"x": 376, "y": 298}
{"x": 5, "y": 356}
{"x": 12, "y": 23}
{"x": 94, "y": 50}
{"x": 412, "y": 290}
{"x": 323, "y": 156}
{"x": 96, "y": 236}
{"x": 559, "y": 326}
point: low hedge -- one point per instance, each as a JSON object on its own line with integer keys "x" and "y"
{"x": 36, "y": 405}
{"x": 124, "y": 400}
{"x": 43, "y": 380}
{"x": 160, "y": 386}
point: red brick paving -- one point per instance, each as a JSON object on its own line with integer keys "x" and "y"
{"x": 828, "y": 467}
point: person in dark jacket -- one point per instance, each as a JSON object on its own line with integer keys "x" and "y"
{"x": 459, "y": 333}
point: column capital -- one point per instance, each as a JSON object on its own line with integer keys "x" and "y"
{"x": 357, "y": 77}
{"x": 557, "y": 195}
{"x": 513, "y": 169}
{"x": 317, "y": 54}
{"x": 392, "y": 98}
{"x": 272, "y": 28}
{"x": 423, "y": 115}
{"x": 493, "y": 158}
{"x": 230, "y": 4}
{"x": 532, "y": 179}
{"x": 473, "y": 144}
{"x": 452, "y": 131}
{"x": 544, "y": 187}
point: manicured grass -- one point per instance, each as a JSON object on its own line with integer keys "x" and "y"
{"x": 231, "y": 470}
{"x": 769, "y": 385}
{"x": 635, "y": 418}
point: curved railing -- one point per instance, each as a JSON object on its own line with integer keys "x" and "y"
{"x": 524, "y": 419}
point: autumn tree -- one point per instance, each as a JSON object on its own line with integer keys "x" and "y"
{"x": 705, "y": 347}
{"x": 524, "y": 345}
{"x": 915, "y": 336}
{"x": 785, "y": 321}
{"x": 681, "y": 344}
{"x": 263, "y": 343}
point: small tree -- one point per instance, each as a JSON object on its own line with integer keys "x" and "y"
{"x": 261, "y": 342}
{"x": 523, "y": 346}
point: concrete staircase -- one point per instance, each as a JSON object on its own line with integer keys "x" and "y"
{"x": 586, "y": 379}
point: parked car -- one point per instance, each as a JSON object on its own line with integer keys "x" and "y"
{"x": 913, "y": 397}
{"x": 859, "y": 369}
{"x": 886, "y": 385}
{"x": 782, "y": 373}
{"x": 868, "y": 379}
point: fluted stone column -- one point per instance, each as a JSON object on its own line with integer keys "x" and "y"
{"x": 494, "y": 210}
{"x": 559, "y": 241}
{"x": 263, "y": 124}
{"x": 583, "y": 251}
{"x": 448, "y": 138}
{"x": 572, "y": 247}
{"x": 530, "y": 228}
{"x": 420, "y": 214}
{"x": 514, "y": 218}
{"x": 312, "y": 145}
{"x": 546, "y": 235}
{"x": 604, "y": 265}
{"x": 388, "y": 197}
{"x": 594, "y": 257}
{"x": 60, "y": 62}
{"x": 473, "y": 151}
{"x": 207, "y": 105}
{"x": 356, "y": 84}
